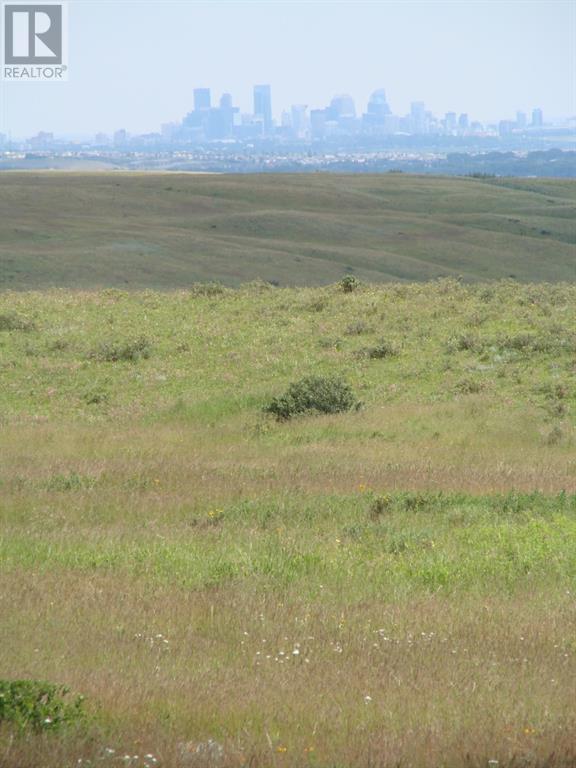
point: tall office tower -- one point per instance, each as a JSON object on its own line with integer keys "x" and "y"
{"x": 341, "y": 106}
{"x": 221, "y": 119}
{"x": 263, "y": 106}
{"x": 201, "y": 99}
{"x": 505, "y": 127}
{"x": 450, "y": 122}
{"x": 521, "y": 120}
{"x": 318, "y": 123}
{"x": 226, "y": 101}
{"x": 418, "y": 117}
{"x": 377, "y": 108}
{"x": 120, "y": 138}
{"x": 463, "y": 123}
{"x": 537, "y": 118}
{"x": 299, "y": 120}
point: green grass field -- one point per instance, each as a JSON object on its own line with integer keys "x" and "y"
{"x": 165, "y": 231}
{"x": 392, "y": 586}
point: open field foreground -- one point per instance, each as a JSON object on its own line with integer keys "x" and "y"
{"x": 389, "y": 586}
{"x": 150, "y": 230}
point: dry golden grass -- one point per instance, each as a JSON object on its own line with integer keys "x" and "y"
{"x": 387, "y": 587}
{"x": 279, "y": 680}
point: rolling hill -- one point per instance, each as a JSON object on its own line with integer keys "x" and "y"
{"x": 161, "y": 230}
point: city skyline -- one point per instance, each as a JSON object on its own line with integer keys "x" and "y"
{"x": 214, "y": 120}
{"x": 480, "y": 58}
{"x": 214, "y": 117}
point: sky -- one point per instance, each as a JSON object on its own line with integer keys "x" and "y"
{"x": 134, "y": 64}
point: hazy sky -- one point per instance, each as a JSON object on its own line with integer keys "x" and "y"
{"x": 134, "y": 64}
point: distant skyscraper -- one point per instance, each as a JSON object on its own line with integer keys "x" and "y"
{"x": 318, "y": 123}
{"x": 463, "y": 123}
{"x": 418, "y": 117}
{"x": 537, "y": 118}
{"x": 120, "y": 138}
{"x": 341, "y": 106}
{"x": 505, "y": 127}
{"x": 521, "y": 120}
{"x": 226, "y": 101}
{"x": 220, "y": 122}
{"x": 450, "y": 122}
{"x": 263, "y": 106}
{"x": 377, "y": 110}
{"x": 299, "y": 119}
{"x": 201, "y": 99}
{"x": 169, "y": 131}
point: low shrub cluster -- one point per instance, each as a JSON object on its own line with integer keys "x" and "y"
{"x": 124, "y": 351}
{"x": 40, "y": 706}
{"x": 380, "y": 350}
{"x": 313, "y": 394}
{"x": 349, "y": 283}
{"x": 358, "y": 328}
{"x": 519, "y": 342}
{"x": 14, "y": 322}
{"x": 208, "y": 289}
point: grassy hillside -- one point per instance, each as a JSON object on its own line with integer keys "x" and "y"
{"x": 388, "y": 586}
{"x": 169, "y": 230}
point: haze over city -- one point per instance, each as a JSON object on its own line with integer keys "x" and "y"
{"x": 135, "y": 65}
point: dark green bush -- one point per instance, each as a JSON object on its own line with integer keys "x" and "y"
{"x": 313, "y": 394}
{"x": 358, "y": 328}
{"x": 130, "y": 351}
{"x": 349, "y": 283}
{"x": 381, "y": 350}
{"x": 208, "y": 289}
{"x": 470, "y": 386}
{"x": 380, "y": 505}
{"x": 39, "y": 706}
{"x": 71, "y": 482}
{"x": 465, "y": 342}
{"x": 14, "y": 322}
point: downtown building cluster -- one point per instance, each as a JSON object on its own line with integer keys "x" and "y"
{"x": 223, "y": 121}
{"x": 213, "y": 124}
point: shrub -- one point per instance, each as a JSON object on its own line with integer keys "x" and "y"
{"x": 470, "y": 386}
{"x": 207, "y": 289}
{"x": 328, "y": 343}
{"x": 59, "y": 345}
{"x": 379, "y": 505}
{"x": 358, "y": 328}
{"x": 349, "y": 283}
{"x": 381, "y": 350}
{"x": 38, "y": 705}
{"x": 465, "y": 342}
{"x": 318, "y": 305}
{"x": 554, "y": 436}
{"x": 95, "y": 396}
{"x": 313, "y": 394}
{"x": 71, "y": 482}
{"x": 131, "y": 351}
{"x": 14, "y": 322}
{"x": 257, "y": 286}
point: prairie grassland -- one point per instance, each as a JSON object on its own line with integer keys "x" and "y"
{"x": 392, "y": 586}
{"x": 158, "y": 230}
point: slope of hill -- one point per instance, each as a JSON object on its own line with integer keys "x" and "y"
{"x": 388, "y": 586}
{"x": 169, "y": 230}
